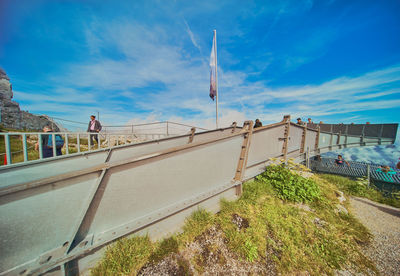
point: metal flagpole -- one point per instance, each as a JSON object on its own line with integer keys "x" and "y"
{"x": 216, "y": 79}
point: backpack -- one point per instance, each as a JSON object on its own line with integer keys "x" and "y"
{"x": 59, "y": 141}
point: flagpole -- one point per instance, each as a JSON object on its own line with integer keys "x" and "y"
{"x": 216, "y": 80}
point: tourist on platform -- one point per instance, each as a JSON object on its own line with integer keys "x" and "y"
{"x": 309, "y": 121}
{"x": 94, "y": 126}
{"x": 47, "y": 143}
{"x": 300, "y": 122}
{"x": 340, "y": 161}
{"x": 257, "y": 123}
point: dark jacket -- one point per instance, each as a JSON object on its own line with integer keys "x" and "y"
{"x": 46, "y": 150}
{"x": 97, "y": 126}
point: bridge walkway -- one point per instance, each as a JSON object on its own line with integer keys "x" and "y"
{"x": 57, "y": 214}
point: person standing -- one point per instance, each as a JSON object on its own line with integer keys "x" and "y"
{"x": 258, "y": 123}
{"x": 340, "y": 161}
{"x": 94, "y": 126}
{"x": 47, "y": 143}
{"x": 300, "y": 122}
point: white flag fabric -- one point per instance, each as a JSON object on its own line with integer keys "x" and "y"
{"x": 213, "y": 76}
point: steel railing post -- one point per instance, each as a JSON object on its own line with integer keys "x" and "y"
{"x": 53, "y": 140}
{"x": 89, "y": 142}
{"x": 380, "y": 135}
{"x": 98, "y": 141}
{"x": 24, "y": 147}
{"x": 8, "y": 148}
{"x": 78, "y": 142}
{"x": 362, "y": 135}
{"x": 66, "y": 143}
{"x": 40, "y": 146}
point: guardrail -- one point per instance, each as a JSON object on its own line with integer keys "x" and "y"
{"x": 74, "y": 143}
{"x": 58, "y": 214}
{"x": 356, "y": 169}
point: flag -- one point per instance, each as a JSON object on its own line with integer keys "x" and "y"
{"x": 213, "y": 73}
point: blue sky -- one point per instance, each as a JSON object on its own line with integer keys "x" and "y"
{"x": 142, "y": 61}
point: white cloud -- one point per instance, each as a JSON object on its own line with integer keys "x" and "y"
{"x": 191, "y": 35}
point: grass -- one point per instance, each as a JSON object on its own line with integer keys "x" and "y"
{"x": 360, "y": 188}
{"x": 273, "y": 228}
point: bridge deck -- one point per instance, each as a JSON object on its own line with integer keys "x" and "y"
{"x": 58, "y": 213}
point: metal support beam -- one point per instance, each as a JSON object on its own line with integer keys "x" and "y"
{"x": 380, "y": 135}
{"x": 234, "y": 124}
{"x": 286, "y": 119}
{"x": 362, "y": 136}
{"x": 192, "y": 131}
{"x": 244, "y": 153}
{"x": 317, "y": 138}
{"x": 303, "y": 139}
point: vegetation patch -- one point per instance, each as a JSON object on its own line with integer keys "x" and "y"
{"x": 265, "y": 232}
{"x": 290, "y": 186}
{"x": 359, "y": 187}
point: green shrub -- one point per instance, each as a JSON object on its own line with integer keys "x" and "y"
{"x": 290, "y": 186}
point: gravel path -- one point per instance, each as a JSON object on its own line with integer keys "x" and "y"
{"x": 384, "y": 223}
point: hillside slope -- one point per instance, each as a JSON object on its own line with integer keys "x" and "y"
{"x": 283, "y": 223}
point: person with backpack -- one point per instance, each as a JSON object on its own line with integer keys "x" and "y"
{"x": 94, "y": 126}
{"x": 47, "y": 143}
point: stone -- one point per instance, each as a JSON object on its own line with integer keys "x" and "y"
{"x": 320, "y": 222}
{"x": 11, "y": 114}
{"x": 341, "y": 209}
{"x": 340, "y": 196}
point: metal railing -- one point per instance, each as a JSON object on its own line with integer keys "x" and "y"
{"x": 166, "y": 128}
{"x": 20, "y": 147}
{"x": 365, "y": 130}
{"x": 356, "y": 169}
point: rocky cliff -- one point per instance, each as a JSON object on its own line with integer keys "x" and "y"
{"x": 11, "y": 114}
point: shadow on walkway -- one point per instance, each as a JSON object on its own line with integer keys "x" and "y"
{"x": 389, "y": 210}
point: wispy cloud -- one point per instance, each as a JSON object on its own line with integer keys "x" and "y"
{"x": 191, "y": 35}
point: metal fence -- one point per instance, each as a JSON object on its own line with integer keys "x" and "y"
{"x": 25, "y": 147}
{"x": 57, "y": 214}
{"x": 365, "y": 130}
{"x": 17, "y": 147}
{"x": 165, "y": 129}
{"x": 356, "y": 169}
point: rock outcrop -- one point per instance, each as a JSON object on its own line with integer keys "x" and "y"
{"x": 11, "y": 114}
